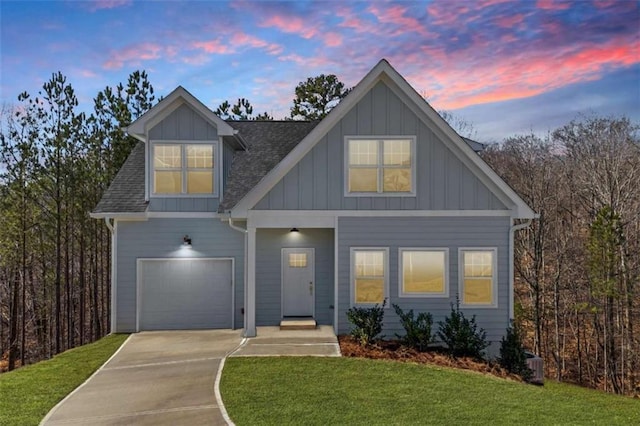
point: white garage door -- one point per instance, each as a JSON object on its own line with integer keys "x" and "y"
{"x": 183, "y": 294}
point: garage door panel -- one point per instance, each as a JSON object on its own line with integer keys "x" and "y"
{"x": 185, "y": 294}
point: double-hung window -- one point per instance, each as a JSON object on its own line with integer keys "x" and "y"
{"x": 182, "y": 169}
{"x": 384, "y": 166}
{"x": 478, "y": 277}
{"x": 369, "y": 275}
{"x": 424, "y": 272}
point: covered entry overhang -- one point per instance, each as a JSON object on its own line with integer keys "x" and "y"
{"x": 276, "y": 227}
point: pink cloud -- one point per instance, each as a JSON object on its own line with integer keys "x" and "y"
{"x": 96, "y": 5}
{"x": 332, "y": 39}
{"x": 212, "y": 46}
{"x": 133, "y": 54}
{"x": 351, "y": 19}
{"x": 396, "y": 15}
{"x": 552, "y": 5}
{"x": 291, "y": 25}
{"x": 509, "y": 21}
{"x": 518, "y": 76}
{"x": 243, "y": 39}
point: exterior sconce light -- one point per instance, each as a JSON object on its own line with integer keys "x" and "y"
{"x": 294, "y": 229}
{"x": 186, "y": 241}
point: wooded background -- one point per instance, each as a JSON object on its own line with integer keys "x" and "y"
{"x": 577, "y": 266}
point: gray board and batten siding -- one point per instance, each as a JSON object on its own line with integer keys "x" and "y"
{"x": 443, "y": 181}
{"x": 425, "y": 232}
{"x": 185, "y": 124}
{"x": 162, "y": 238}
{"x": 269, "y": 245}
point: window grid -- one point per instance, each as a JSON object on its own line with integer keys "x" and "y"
{"x": 478, "y": 277}
{"x": 297, "y": 260}
{"x": 387, "y": 157}
{"x": 194, "y": 163}
{"x": 369, "y": 275}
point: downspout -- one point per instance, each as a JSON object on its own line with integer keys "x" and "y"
{"x": 512, "y": 232}
{"x": 244, "y": 264}
{"x": 113, "y": 229}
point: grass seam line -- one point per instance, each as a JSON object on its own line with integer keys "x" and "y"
{"x": 55, "y": 408}
{"x": 216, "y": 386}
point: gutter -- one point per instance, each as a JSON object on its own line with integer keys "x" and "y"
{"x": 113, "y": 229}
{"x": 512, "y": 232}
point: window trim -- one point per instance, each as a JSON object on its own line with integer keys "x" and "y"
{"x": 184, "y": 169}
{"x": 380, "y": 139}
{"x": 352, "y": 276}
{"x": 494, "y": 283}
{"x": 442, "y": 294}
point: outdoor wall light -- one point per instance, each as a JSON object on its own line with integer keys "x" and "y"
{"x": 186, "y": 241}
{"x": 294, "y": 229}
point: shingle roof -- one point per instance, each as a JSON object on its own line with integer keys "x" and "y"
{"x": 268, "y": 143}
{"x": 126, "y": 192}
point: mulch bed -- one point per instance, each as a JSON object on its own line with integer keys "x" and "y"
{"x": 394, "y": 350}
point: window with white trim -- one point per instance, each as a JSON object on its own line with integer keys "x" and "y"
{"x": 184, "y": 169}
{"x": 478, "y": 277}
{"x": 380, "y": 165}
{"x": 423, "y": 272}
{"x": 369, "y": 275}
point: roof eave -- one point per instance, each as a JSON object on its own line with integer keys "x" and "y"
{"x": 138, "y": 128}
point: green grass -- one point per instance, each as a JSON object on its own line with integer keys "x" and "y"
{"x": 321, "y": 391}
{"x": 27, "y": 394}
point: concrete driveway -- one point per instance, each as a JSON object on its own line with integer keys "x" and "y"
{"x": 157, "y": 378}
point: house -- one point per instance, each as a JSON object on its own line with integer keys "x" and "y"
{"x": 222, "y": 224}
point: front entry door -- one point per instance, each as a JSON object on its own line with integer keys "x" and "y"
{"x": 298, "y": 284}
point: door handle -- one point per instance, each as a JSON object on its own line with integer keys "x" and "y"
{"x": 310, "y": 287}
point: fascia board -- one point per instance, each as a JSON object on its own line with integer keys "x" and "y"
{"x": 307, "y": 144}
{"x": 522, "y": 210}
{"x": 140, "y": 126}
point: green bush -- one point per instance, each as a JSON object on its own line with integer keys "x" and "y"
{"x": 417, "y": 331}
{"x": 367, "y": 323}
{"x": 461, "y": 335}
{"x": 512, "y": 355}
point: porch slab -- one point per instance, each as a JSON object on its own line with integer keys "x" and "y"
{"x": 271, "y": 341}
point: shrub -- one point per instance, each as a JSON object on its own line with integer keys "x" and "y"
{"x": 512, "y": 355}
{"x": 367, "y": 323}
{"x": 461, "y": 335}
{"x": 417, "y": 331}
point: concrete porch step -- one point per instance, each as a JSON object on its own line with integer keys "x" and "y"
{"x": 298, "y": 324}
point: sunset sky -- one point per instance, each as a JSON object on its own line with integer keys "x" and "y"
{"x": 509, "y": 67}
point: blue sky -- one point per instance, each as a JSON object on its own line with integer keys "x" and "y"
{"x": 509, "y": 67}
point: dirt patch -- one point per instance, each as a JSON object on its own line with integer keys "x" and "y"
{"x": 394, "y": 350}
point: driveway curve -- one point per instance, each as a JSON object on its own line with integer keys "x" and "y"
{"x": 156, "y": 378}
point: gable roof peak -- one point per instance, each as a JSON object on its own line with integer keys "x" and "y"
{"x": 167, "y": 105}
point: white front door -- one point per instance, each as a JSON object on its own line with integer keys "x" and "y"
{"x": 298, "y": 284}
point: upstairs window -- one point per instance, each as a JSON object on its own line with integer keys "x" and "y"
{"x": 382, "y": 166}
{"x": 180, "y": 169}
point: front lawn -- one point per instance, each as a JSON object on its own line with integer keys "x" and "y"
{"x": 324, "y": 391}
{"x": 27, "y": 394}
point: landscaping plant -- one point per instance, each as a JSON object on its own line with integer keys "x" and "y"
{"x": 417, "y": 330}
{"x": 367, "y": 323}
{"x": 461, "y": 335}
{"x": 512, "y": 355}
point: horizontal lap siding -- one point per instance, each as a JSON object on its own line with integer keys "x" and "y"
{"x": 162, "y": 238}
{"x": 269, "y": 245}
{"x": 451, "y": 232}
{"x": 443, "y": 181}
